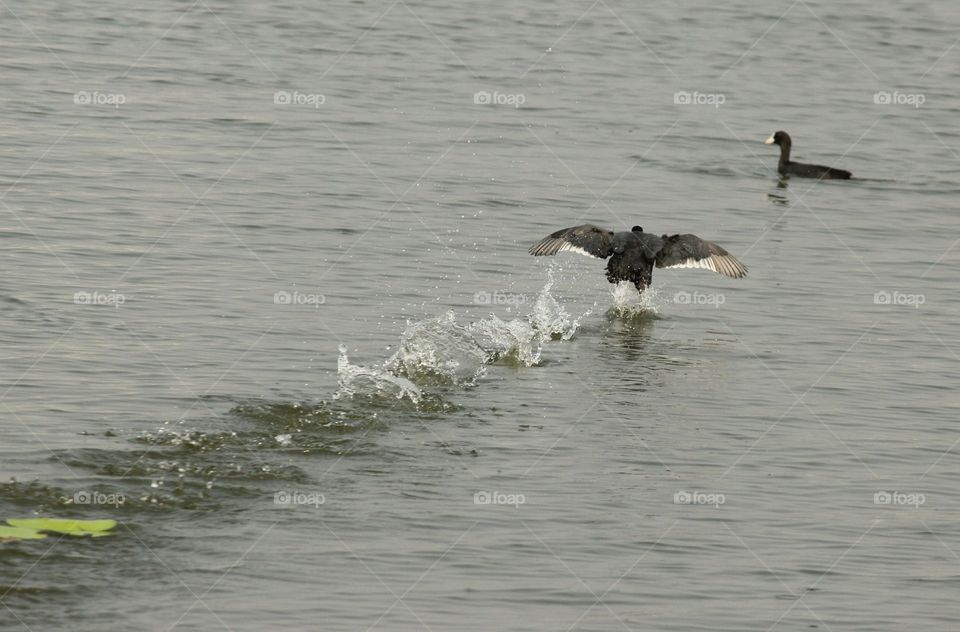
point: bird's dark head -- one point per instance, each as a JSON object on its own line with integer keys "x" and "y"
{"x": 778, "y": 138}
{"x": 637, "y": 229}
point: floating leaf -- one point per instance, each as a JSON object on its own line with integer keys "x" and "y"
{"x": 11, "y": 534}
{"x": 95, "y": 528}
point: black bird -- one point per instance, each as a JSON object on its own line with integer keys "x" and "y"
{"x": 634, "y": 253}
{"x": 788, "y": 168}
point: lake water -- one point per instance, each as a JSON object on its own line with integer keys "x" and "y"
{"x": 267, "y": 303}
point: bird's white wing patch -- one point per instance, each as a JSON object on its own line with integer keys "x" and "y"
{"x": 568, "y": 247}
{"x": 721, "y": 264}
{"x": 690, "y": 262}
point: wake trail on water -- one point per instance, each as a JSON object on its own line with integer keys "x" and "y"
{"x": 440, "y": 352}
{"x": 201, "y": 465}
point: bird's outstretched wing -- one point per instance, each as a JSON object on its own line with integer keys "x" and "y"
{"x": 587, "y": 239}
{"x": 689, "y": 251}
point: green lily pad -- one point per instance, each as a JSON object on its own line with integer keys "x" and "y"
{"x": 95, "y": 528}
{"x": 10, "y": 534}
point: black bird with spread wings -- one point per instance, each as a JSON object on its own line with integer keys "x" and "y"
{"x": 633, "y": 253}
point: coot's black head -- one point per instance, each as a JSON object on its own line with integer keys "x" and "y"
{"x": 637, "y": 229}
{"x": 779, "y": 138}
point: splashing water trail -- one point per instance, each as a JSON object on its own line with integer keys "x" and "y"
{"x": 628, "y": 304}
{"x": 514, "y": 339}
{"x": 548, "y": 316}
{"x": 353, "y": 379}
{"x": 438, "y": 351}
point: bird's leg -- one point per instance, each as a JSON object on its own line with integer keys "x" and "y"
{"x": 613, "y": 270}
{"x": 641, "y": 278}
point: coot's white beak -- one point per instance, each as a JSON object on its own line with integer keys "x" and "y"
{"x": 769, "y": 141}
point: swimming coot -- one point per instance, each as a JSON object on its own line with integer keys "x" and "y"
{"x": 634, "y": 253}
{"x": 788, "y": 168}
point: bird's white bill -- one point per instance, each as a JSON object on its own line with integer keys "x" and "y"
{"x": 769, "y": 141}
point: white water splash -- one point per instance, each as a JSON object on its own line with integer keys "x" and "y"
{"x": 548, "y": 316}
{"x": 514, "y": 339}
{"x": 439, "y": 351}
{"x": 353, "y": 379}
{"x": 628, "y": 303}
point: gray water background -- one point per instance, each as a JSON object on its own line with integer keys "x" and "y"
{"x": 196, "y": 200}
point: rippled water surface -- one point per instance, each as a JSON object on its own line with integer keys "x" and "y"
{"x": 266, "y": 302}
